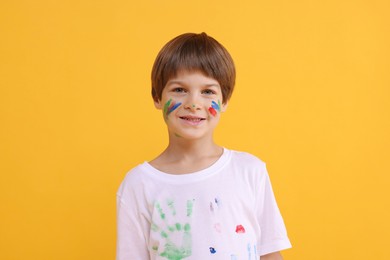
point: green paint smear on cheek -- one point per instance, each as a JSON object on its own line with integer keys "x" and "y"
{"x": 177, "y": 135}
{"x": 166, "y": 106}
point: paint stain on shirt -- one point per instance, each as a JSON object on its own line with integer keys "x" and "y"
{"x": 249, "y": 251}
{"x": 211, "y": 207}
{"x": 218, "y": 202}
{"x": 190, "y": 205}
{"x": 240, "y": 229}
{"x": 217, "y": 227}
{"x": 212, "y": 250}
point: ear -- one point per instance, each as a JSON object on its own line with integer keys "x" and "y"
{"x": 157, "y": 104}
{"x": 224, "y": 107}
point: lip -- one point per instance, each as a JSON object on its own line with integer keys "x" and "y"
{"x": 192, "y": 120}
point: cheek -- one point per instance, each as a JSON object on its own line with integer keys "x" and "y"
{"x": 170, "y": 106}
{"x": 212, "y": 111}
{"x": 215, "y": 107}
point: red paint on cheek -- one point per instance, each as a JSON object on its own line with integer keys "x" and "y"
{"x": 240, "y": 229}
{"x": 212, "y": 111}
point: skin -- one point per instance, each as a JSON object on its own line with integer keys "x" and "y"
{"x": 272, "y": 256}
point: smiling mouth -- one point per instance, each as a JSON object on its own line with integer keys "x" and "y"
{"x": 192, "y": 119}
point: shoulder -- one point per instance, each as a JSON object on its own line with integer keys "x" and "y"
{"x": 245, "y": 159}
{"x": 132, "y": 180}
{"x": 248, "y": 166}
{"x": 135, "y": 174}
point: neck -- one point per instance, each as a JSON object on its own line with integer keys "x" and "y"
{"x": 181, "y": 148}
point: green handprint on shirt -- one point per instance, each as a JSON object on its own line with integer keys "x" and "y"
{"x": 172, "y": 250}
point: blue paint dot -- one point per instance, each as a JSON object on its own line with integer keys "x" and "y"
{"x": 212, "y": 250}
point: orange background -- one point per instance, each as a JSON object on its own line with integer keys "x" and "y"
{"x": 311, "y": 100}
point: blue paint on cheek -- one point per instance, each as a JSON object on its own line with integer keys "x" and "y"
{"x": 215, "y": 106}
{"x": 174, "y": 107}
{"x": 212, "y": 250}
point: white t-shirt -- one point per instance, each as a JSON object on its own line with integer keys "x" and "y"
{"x": 226, "y": 211}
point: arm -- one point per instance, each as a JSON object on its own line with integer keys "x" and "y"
{"x": 272, "y": 256}
{"x": 273, "y": 236}
{"x": 131, "y": 241}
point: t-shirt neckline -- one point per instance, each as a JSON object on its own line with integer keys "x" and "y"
{"x": 189, "y": 177}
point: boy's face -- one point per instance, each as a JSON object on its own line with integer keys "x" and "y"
{"x": 191, "y": 104}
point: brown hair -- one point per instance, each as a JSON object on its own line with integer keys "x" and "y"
{"x": 194, "y": 52}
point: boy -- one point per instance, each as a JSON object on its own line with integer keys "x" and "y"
{"x": 197, "y": 200}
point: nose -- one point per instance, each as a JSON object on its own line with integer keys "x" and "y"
{"x": 192, "y": 107}
{"x": 192, "y": 103}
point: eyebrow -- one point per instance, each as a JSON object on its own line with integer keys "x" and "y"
{"x": 182, "y": 83}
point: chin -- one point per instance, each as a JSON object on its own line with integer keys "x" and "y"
{"x": 191, "y": 133}
{"x": 189, "y": 136}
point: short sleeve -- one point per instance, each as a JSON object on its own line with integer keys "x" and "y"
{"x": 131, "y": 241}
{"x": 273, "y": 235}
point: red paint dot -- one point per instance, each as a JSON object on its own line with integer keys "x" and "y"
{"x": 240, "y": 229}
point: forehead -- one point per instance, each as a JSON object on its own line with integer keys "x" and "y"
{"x": 195, "y": 77}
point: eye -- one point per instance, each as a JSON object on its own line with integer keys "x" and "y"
{"x": 178, "y": 90}
{"x": 209, "y": 92}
